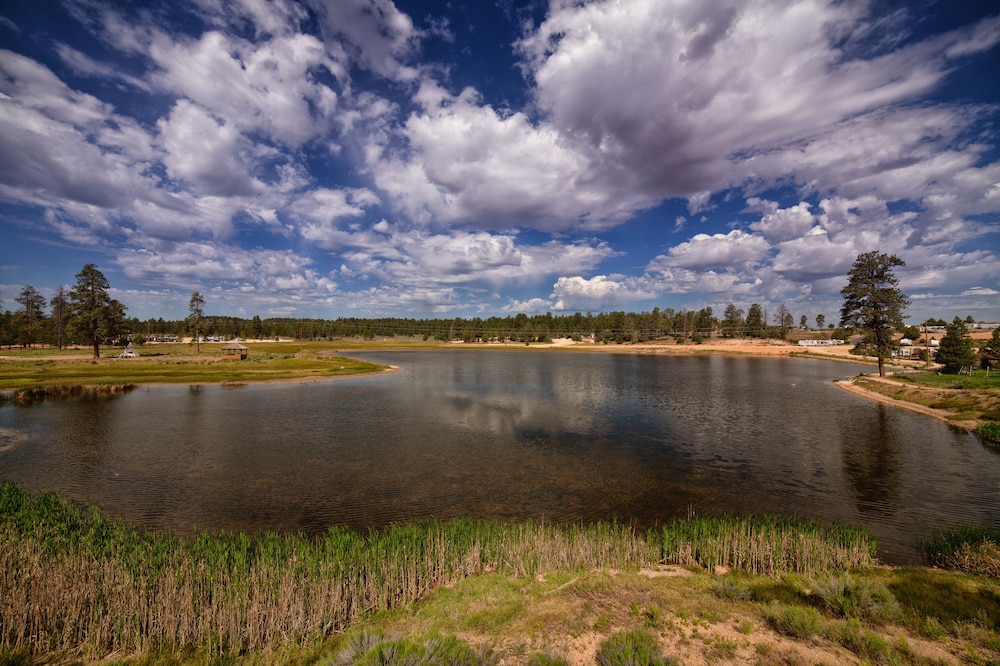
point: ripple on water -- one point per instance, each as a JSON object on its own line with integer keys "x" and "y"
{"x": 11, "y": 439}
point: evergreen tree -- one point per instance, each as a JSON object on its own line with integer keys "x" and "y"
{"x": 196, "y": 309}
{"x": 873, "y": 304}
{"x": 755, "y": 324}
{"x": 93, "y": 312}
{"x": 991, "y": 351}
{"x": 732, "y": 321}
{"x": 31, "y": 315}
{"x": 60, "y": 315}
{"x": 956, "y": 349}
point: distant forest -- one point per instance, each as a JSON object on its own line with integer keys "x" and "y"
{"x": 611, "y": 327}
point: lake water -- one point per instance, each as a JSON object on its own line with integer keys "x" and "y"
{"x": 564, "y": 437}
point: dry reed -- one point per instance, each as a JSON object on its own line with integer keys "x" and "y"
{"x": 73, "y": 582}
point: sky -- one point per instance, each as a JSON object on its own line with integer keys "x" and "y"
{"x": 438, "y": 159}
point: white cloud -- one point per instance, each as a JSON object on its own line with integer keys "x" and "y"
{"x": 467, "y": 163}
{"x": 785, "y": 223}
{"x": 737, "y": 248}
{"x": 209, "y": 154}
{"x": 379, "y": 36}
{"x": 267, "y": 87}
{"x": 463, "y": 258}
{"x": 188, "y": 264}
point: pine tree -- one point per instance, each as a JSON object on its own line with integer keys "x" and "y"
{"x": 873, "y": 304}
{"x": 956, "y": 349}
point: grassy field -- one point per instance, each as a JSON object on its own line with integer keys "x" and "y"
{"x": 78, "y": 587}
{"x": 176, "y": 364}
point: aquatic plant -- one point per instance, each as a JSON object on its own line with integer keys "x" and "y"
{"x": 966, "y": 547}
{"x": 989, "y": 431}
{"x": 768, "y": 545}
{"x": 74, "y": 580}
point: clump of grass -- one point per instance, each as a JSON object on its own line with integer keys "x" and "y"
{"x": 861, "y": 641}
{"x": 967, "y": 547}
{"x": 795, "y": 621}
{"x": 989, "y": 431}
{"x": 856, "y": 598}
{"x": 727, "y": 588}
{"x": 547, "y": 658}
{"x": 636, "y": 647}
{"x": 769, "y": 545}
{"x": 376, "y": 649}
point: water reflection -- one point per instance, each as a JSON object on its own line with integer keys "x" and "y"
{"x": 508, "y": 435}
{"x": 873, "y": 464}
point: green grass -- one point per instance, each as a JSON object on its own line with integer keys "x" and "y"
{"x": 169, "y": 369}
{"x": 966, "y": 547}
{"x": 635, "y": 647}
{"x": 74, "y": 579}
{"x": 989, "y": 431}
{"x": 769, "y": 545}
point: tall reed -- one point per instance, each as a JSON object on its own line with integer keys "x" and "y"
{"x": 73, "y": 582}
{"x": 768, "y": 545}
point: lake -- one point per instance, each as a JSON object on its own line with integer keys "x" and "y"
{"x": 510, "y": 435}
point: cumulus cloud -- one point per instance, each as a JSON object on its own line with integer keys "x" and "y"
{"x": 378, "y": 36}
{"x": 208, "y": 153}
{"x": 465, "y": 162}
{"x": 464, "y": 258}
{"x": 252, "y": 126}
{"x": 268, "y": 87}
{"x": 718, "y": 250}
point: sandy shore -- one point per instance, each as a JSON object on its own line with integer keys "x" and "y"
{"x": 940, "y": 414}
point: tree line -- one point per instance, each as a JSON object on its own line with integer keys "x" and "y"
{"x": 873, "y": 307}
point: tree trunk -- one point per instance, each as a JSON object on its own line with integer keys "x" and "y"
{"x": 97, "y": 346}
{"x": 881, "y": 367}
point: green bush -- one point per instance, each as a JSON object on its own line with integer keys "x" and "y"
{"x": 637, "y": 647}
{"x": 853, "y": 598}
{"x": 970, "y": 548}
{"x": 548, "y": 658}
{"x": 727, "y": 588}
{"x": 794, "y": 621}
{"x": 862, "y": 642}
{"x": 990, "y": 431}
{"x": 375, "y": 649}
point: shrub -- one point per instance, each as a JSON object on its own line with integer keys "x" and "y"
{"x": 729, "y": 589}
{"x": 852, "y": 598}
{"x": 860, "y": 641}
{"x": 375, "y": 649}
{"x": 548, "y": 658}
{"x": 990, "y": 431}
{"x": 794, "y": 621}
{"x": 969, "y": 548}
{"x": 637, "y": 647}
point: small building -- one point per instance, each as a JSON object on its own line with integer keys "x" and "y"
{"x": 234, "y": 351}
{"x": 129, "y": 352}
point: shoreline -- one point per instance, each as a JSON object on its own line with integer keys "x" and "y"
{"x": 850, "y": 386}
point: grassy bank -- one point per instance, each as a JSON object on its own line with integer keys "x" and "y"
{"x": 77, "y": 587}
{"x": 975, "y": 399}
{"x": 176, "y": 364}
{"x": 74, "y": 582}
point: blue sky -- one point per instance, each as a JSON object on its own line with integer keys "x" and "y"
{"x": 439, "y": 159}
